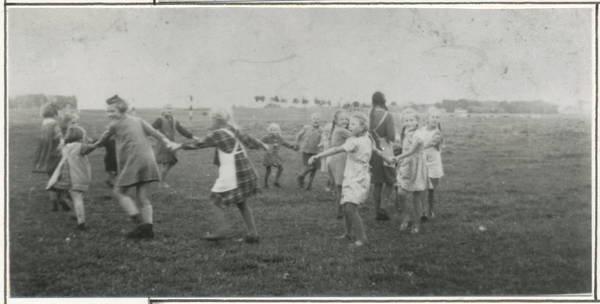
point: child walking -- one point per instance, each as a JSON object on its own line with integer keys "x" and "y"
{"x": 237, "y": 178}
{"x": 411, "y": 169}
{"x": 308, "y": 140}
{"x": 357, "y": 180}
{"x": 48, "y": 154}
{"x": 272, "y": 158}
{"x": 136, "y": 163}
{"x": 433, "y": 141}
{"x": 337, "y": 163}
{"x": 74, "y": 173}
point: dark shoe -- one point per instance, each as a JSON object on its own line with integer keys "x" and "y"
{"x": 143, "y": 231}
{"x": 277, "y": 184}
{"x": 213, "y": 237}
{"x": 251, "y": 239}
{"x": 81, "y": 227}
{"x": 300, "y": 180}
{"x": 423, "y": 217}
{"x": 65, "y": 206}
{"x": 382, "y": 216}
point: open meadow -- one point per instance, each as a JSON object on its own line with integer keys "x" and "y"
{"x": 513, "y": 218}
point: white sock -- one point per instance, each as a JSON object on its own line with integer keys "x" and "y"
{"x": 147, "y": 214}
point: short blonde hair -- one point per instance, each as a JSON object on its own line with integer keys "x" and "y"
{"x": 315, "y": 115}
{"x": 363, "y": 119}
{"x": 223, "y": 116}
{"x": 274, "y": 127}
{"x": 411, "y": 111}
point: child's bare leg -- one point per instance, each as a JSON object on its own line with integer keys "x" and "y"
{"x": 379, "y": 194}
{"x": 430, "y": 195}
{"x": 128, "y": 204}
{"x": 347, "y": 224}
{"x": 248, "y": 219}
{"x": 311, "y": 178}
{"x": 352, "y": 214}
{"x": 267, "y": 174}
{"x": 77, "y": 197}
{"x": 386, "y": 193}
{"x": 112, "y": 175}
{"x": 417, "y": 208}
{"x": 164, "y": 170}
{"x": 278, "y": 175}
{"x": 338, "y": 202}
{"x": 404, "y": 215}
{"x": 53, "y": 199}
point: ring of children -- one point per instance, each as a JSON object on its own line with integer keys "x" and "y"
{"x": 513, "y": 217}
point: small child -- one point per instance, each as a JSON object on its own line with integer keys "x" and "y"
{"x": 337, "y": 163}
{"x": 272, "y": 159}
{"x": 308, "y": 140}
{"x": 237, "y": 177}
{"x": 433, "y": 141}
{"x": 74, "y": 173}
{"x": 411, "y": 169}
{"x": 47, "y": 154}
{"x": 68, "y": 120}
{"x": 324, "y": 145}
{"x": 357, "y": 179}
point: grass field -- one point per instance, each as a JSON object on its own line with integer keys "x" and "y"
{"x": 527, "y": 181}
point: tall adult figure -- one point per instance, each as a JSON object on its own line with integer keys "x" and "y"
{"x": 165, "y": 158}
{"x": 383, "y": 175}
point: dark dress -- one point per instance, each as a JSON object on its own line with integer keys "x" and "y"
{"x": 167, "y": 126}
{"x": 272, "y": 159}
{"x": 47, "y": 155}
{"x": 381, "y": 174}
{"x": 110, "y": 157}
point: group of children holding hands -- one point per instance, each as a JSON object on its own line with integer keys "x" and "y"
{"x": 347, "y": 149}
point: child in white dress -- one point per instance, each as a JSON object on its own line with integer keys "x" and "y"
{"x": 357, "y": 180}
{"x": 411, "y": 169}
{"x": 433, "y": 141}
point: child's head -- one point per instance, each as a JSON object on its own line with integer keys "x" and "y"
{"x": 340, "y": 118}
{"x": 274, "y": 129}
{"x": 433, "y": 116}
{"x": 378, "y": 100}
{"x": 49, "y": 111}
{"x": 221, "y": 117}
{"x": 74, "y": 134}
{"x": 70, "y": 119}
{"x": 167, "y": 110}
{"x": 116, "y": 107}
{"x": 315, "y": 118}
{"x": 359, "y": 124}
{"x": 327, "y": 128}
{"x": 410, "y": 119}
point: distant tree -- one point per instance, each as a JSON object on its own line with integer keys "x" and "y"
{"x": 356, "y": 104}
{"x": 283, "y": 100}
{"x": 275, "y": 99}
{"x": 304, "y": 100}
{"x": 296, "y": 100}
{"x": 257, "y": 98}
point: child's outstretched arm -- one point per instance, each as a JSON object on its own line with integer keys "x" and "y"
{"x": 328, "y": 152}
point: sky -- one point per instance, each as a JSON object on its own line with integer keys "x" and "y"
{"x": 151, "y": 56}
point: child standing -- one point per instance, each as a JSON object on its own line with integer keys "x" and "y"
{"x": 237, "y": 177}
{"x": 165, "y": 158}
{"x": 74, "y": 173}
{"x": 337, "y": 163}
{"x": 357, "y": 179}
{"x": 47, "y": 154}
{"x": 308, "y": 140}
{"x": 272, "y": 158}
{"x": 135, "y": 159}
{"x": 433, "y": 141}
{"x": 411, "y": 169}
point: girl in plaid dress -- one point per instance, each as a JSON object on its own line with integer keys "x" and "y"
{"x": 237, "y": 177}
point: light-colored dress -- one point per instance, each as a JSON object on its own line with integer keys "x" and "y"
{"x": 74, "y": 171}
{"x": 357, "y": 179}
{"x": 337, "y": 163}
{"x": 412, "y": 172}
{"x": 433, "y": 156}
{"x": 325, "y": 145}
{"x": 135, "y": 158}
{"x": 47, "y": 154}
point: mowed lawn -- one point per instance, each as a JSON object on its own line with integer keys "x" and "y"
{"x": 513, "y": 218}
